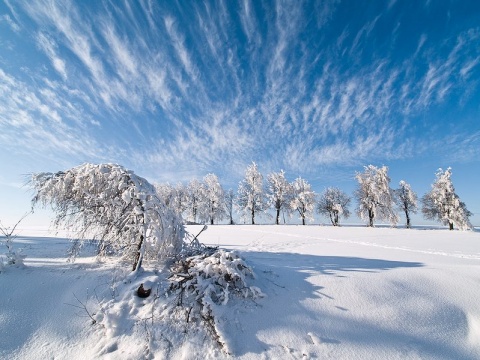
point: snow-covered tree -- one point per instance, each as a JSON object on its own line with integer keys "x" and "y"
{"x": 111, "y": 204}
{"x": 194, "y": 198}
{"x": 229, "y": 202}
{"x": 303, "y": 199}
{"x": 444, "y": 205}
{"x": 174, "y": 197}
{"x": 334, "y": 203}
{"x": 374, "y": 196}
{"x": 406, "y": 200}
{"x": 279, "y": 193}
{"x": 213, "y": 204}
{"x": 251, "y": 195}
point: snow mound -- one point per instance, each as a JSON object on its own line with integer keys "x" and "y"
{"x": 186, "y": 301}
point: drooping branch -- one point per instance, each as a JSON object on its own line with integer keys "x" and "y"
{"x": 111, "y": 204}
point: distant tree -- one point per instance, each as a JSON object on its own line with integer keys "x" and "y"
{"x": 334, "y": 203}
{"x": 374, "y": 196}
{"x": 165, "y": 192}
{"x": 406, "y": 200}
{"x": 213, "y": 206}
{"x": 229, "y": 202}
{"x": 279, "y": 193}
{"x": 444, "y": 205}
{"x": 112, "y": 204}
{"x": 251, "y": 195}
{"x": 303, "y": 199}
{"x": 174, "y": 197}
{"x": 195, "y": 193}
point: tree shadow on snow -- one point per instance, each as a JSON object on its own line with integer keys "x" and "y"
{"x": 299, "y": 313}
{"x": 41, "y": 247}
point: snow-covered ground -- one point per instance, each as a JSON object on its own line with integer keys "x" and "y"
{"x": 337, "y": 293}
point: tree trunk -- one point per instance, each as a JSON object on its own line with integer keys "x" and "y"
{"x": 408, "y": 219}
{"x": 335, "y": 216}
{"x": 370, "y": 217}
{"x": 450, "y": 224}
{"x": 331, "y": 219}
{"x": 253, "y": 216}
{"x": 211, "y": 221}
{"x": 137, "y": 263}
{"x": 277, "y": 220}
{"x": 303, "y": 220}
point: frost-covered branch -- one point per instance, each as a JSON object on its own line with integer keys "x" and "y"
{"x": 406, "y": 200}
{"x": 303, "y": 199}
{"x": 251, "y": 198}
{"x": 202, "y": 282}
{"x": 111, "y": 204}
{"x": 12, "y": 257}
{"x": 334, "y": 203}
{"x": 374, "y": 196}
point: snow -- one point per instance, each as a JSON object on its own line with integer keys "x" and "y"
{"x": 329, "y": 292}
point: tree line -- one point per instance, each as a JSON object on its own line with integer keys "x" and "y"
{"x": 207, "y": 202}
{"x": 136, "y": 220}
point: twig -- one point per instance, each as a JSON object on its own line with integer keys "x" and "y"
{"x": 83, "y": 307}
{"x": 4, "y": 229}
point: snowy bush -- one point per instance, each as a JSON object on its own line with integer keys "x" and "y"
{"x": 12, "y": 256}
{"x": 115, "y": 206}
{"x": 212, "y": 275}
{"x": 187, "y": 303}
{"x": 200, "y": 283}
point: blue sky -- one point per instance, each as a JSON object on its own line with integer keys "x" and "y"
{"x": 177, "y": 89}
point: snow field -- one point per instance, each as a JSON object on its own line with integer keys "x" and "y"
{"x": 364, "y": 293}
{"x": 339, "y": 293}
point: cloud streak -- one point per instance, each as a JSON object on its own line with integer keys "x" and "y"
{"x": 180, "y": 89}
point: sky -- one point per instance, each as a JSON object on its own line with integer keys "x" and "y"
{"x": 175, "y": 90}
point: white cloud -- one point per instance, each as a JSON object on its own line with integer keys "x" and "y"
{"x": 49, "y": 47}
{"x": 229, "y": 82}
{"x": 8, "y": 20}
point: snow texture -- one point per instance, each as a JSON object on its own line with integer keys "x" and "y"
{"x": 347, "y": 292}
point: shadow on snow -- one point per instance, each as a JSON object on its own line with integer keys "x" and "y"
{"x": 296, "y": 307}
